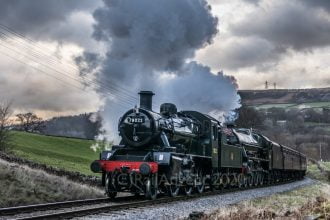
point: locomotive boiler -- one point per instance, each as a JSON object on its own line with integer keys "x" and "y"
{"x": 184, "y": 151}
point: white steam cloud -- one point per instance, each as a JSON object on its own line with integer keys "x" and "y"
{"x": 150, "y": 47}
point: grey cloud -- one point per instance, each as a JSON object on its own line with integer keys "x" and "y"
{"x": 51, "y": 20}
{"x": 254, "y": 2}
{"x": 287, "y": 25}
{"x": 31, "y": 92}
{"x": 235, "y": 53}
{"x": 271, "y": 31}
{"x": 322, "y": 4}
{"x": 40, "y": 19}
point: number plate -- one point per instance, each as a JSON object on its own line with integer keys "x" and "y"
{"x": 135, "y": 119}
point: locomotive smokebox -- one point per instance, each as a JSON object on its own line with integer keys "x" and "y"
{"x": 146, "y": 100}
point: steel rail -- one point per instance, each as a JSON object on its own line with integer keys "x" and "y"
{"x": 57, "y": 205}
{"x": 143, "y": 203}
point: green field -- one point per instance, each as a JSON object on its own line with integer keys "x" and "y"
{"x": 320, "y": 124}
{"x": 67, "y": 153}
{"x": 295, "y": 105}
{"x": 266, "y": 106}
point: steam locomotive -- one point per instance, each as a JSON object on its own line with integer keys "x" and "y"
{"x": 184, "y": 152}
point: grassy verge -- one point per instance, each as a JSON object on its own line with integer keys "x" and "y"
{"x": 314, "y": 172}
{"x": 66, "y": 153}
{"x": 297, "y": 204}
{"x": 313, "y": 201}
{"x": 20, "y": 185}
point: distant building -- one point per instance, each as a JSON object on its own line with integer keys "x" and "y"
{"x": 281, "y": 123}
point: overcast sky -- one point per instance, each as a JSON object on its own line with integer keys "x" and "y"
{"x": 283, "y": 42}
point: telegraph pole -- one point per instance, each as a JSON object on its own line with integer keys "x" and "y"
{"x": 320, "y": 144}
{"x": 320, "y": 151}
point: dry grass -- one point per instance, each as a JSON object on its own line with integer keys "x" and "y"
{"x": 297, "y": 204}
{"x": 311, "y": 200}
{"x": 314, "y": 171}
{"x": 20, "y": 185}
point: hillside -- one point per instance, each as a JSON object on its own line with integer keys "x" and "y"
{"x": 67, "y": 153}
{"x": 297, "y": 118}
{"x": 287, "y": 97}
{"x": 81, "y": 126}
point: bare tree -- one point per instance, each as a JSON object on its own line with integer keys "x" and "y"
{"x": 5, "y": 113}
{"x": 30, "y": 122}
{"x": 248, "y": 117}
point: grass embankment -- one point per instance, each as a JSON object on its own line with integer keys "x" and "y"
{"x": 311, "y": 200}
{"x": 66, "y": 153}
{"x": 20, "y": 185}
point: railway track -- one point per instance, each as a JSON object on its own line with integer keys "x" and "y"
{"x": 19, "y": 210}
{"x": 46, "y": 206}
{"x": 80, "y": 207}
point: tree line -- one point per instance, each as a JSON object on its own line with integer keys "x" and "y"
{"x": 86, "y": 126}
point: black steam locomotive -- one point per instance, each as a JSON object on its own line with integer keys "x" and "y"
{"x": 171, "y": 152}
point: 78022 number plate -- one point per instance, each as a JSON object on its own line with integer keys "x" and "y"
{"x": 135, "y": 119}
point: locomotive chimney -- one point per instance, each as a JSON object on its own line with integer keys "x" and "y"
{"x": 146, "y": 99}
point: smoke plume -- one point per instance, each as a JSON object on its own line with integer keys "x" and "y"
{"x": 151, "y": 45}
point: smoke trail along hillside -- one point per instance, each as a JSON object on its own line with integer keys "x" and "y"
{"x": 150, "y": 45}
